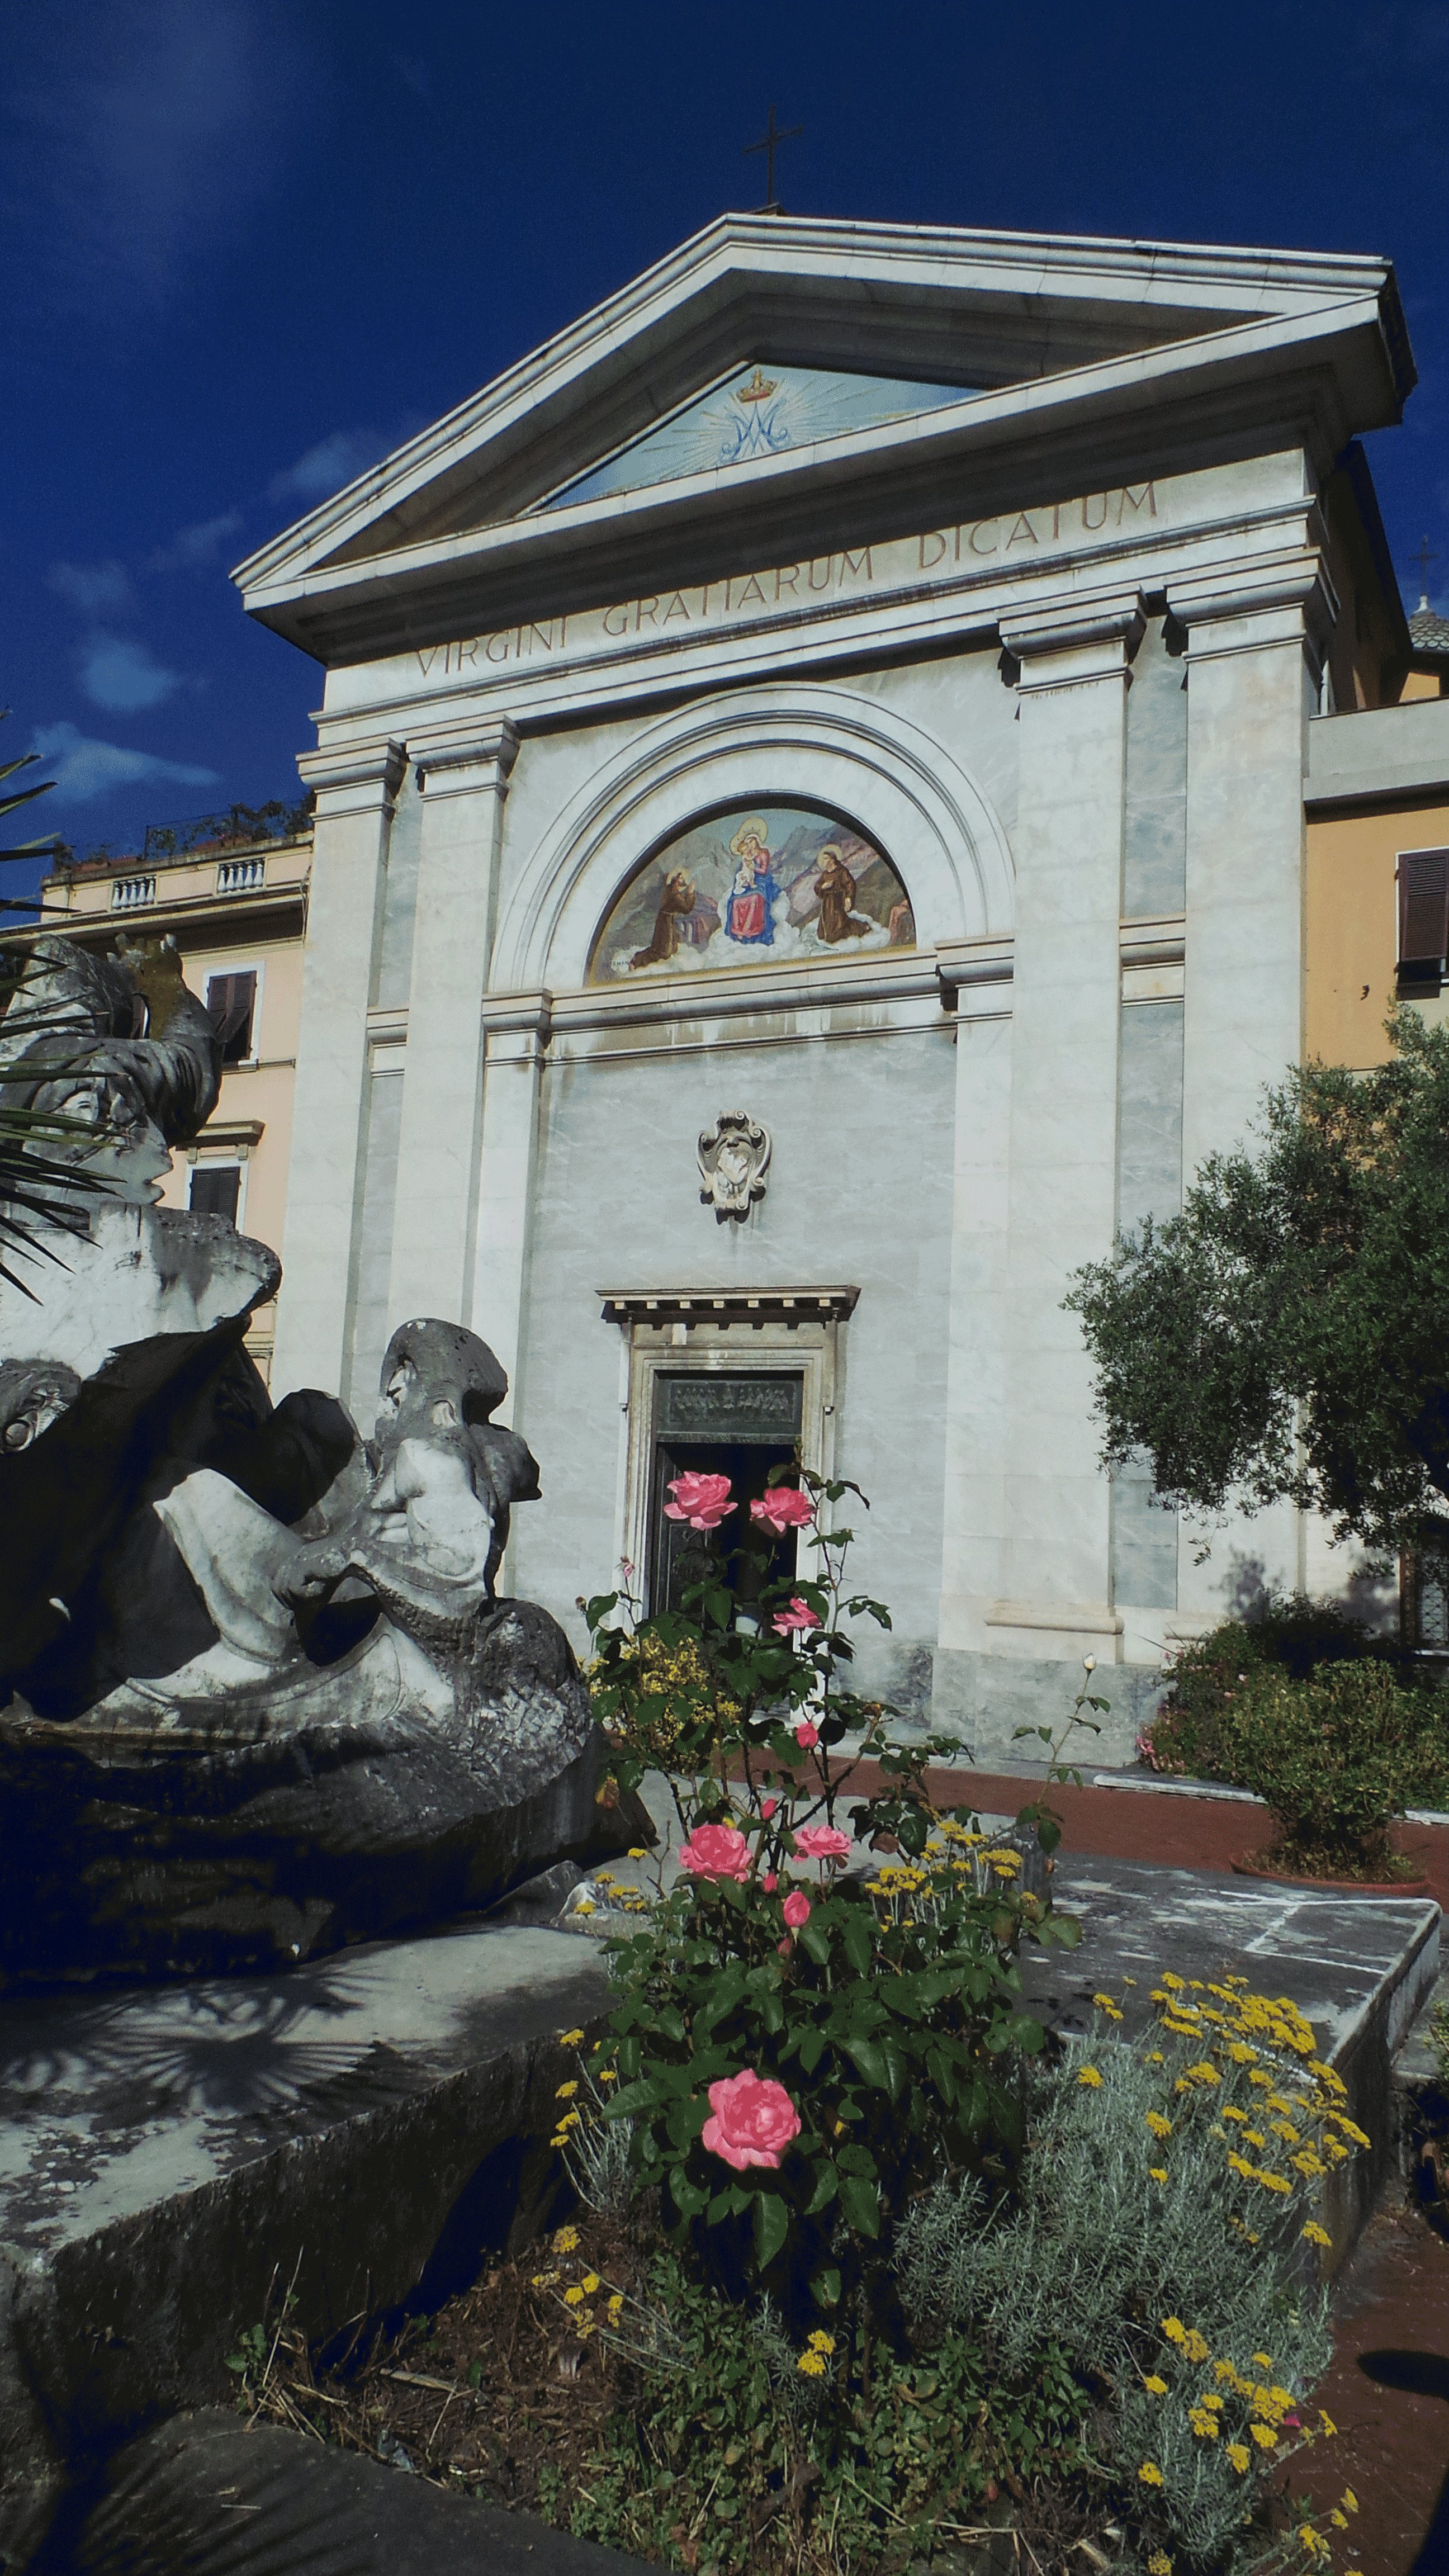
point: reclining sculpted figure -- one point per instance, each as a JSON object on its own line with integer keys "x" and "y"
{"x": 258, "y": 1695}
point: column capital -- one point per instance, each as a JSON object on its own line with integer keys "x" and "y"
{"x": 478, "y": 762}
{"x": 353, "y": 778}
{"x": 1256, "y": 607}
{"x": 1063, "y": 641}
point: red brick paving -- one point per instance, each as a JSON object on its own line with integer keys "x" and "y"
{"x": 1391, "y": 2312}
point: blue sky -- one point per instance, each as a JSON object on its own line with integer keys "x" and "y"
{"x": 248, "y": 245}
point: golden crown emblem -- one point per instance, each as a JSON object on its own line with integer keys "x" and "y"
{"x": 759, "y": 389}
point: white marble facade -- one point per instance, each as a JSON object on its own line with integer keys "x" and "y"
{"x": 1046, "y": 640}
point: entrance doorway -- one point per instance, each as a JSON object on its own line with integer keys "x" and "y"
{"x": 720, "y": 1425}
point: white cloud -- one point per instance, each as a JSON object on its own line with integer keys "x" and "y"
{"x": 196, "y": 545}
{"x": 93, "y": 588}
{"x": 124, "y": 676}
{"x": 86, "y": 769}
{"x": 327, "y": 466}
{"x": 140, "y": 137}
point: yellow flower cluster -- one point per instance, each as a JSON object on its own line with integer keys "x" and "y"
{"x": 577, "y": 2297}
{"x": 1260, "y": 2407}
{"x": 1267, "y": 2037}
{"x": 813, "y": 2359}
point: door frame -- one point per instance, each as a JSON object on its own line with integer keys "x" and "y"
{"x": 722, "y": 1333}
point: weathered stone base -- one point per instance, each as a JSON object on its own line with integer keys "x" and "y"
{"x": 983, "y": 1698}
{"x": 359, "y": 2131}
{"x": 188, "y": 1859}
{"x": 181, "y": 2493}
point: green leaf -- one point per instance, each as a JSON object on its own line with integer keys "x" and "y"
{"x": 859, "y": 1942}
{"x": 869, "y": 2057}
{"x": 634, "y": 2098}
{"x": 814, "y": 1938}
{"x": 825, "y": 2285}
{"x": 827, "y": 2183}
{"x": 860, "y": 2202}
{"x": 772, "y": 2225}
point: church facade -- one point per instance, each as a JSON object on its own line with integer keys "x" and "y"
{"x": 809, "y": 845}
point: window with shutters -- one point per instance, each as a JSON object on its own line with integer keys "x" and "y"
{"x": 215, "y": 1189}
{"x": 1423, "y": 919}
{"x": 232, "y": 1002}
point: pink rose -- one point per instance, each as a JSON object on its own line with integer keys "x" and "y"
{"x": 752, "y": 2120}
{"x": 807, "y": 1736}
{"x": 822, "y": 1842}
{"x": 770, "y": 1882}
{"x": 716, "y": 1851}
{"x": 796, "y": 1908}
{"x": 799, "y": 1616}
{"x": 703, "y": 1501}
{"x": 767, "y": 1809}
{"x": 785, "y": 1508}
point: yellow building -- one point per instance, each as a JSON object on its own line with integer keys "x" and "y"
{"x": 237, "y": 910}
{"x": 1376, "y": 897}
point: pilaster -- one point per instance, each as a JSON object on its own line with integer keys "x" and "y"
{"x": 356, "y": 790}
{"x": 1074, "y": 657}
{"x": 1255, "y": 639}
{"x": 464, "y": 784}
{"x": 516, "y": 1033}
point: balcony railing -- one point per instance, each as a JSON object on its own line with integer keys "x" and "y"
{"x": 240, "y": 876}
{"x": 129, "y": 894}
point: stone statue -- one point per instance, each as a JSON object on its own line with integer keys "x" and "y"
{"x": 257, "y": 1694}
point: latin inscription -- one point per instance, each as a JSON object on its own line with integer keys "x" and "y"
{"x": 902, "y": 563}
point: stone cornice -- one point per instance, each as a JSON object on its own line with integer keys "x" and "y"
{"x": 1062, "y": 642}
{"x": 629, "y": 1306}
{"x": 1253, "y": 606}
{"x": 478, "y": 762}
{"x": 362, "y": 778}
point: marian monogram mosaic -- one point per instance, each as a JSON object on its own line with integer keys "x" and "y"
{"x": 762, "y": 886}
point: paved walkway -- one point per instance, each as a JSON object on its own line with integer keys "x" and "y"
{"x": 1182, "y": 1831}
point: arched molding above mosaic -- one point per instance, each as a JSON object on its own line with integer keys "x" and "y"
{"x": 824, "y": 754}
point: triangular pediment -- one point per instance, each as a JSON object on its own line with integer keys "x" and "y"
{"x": 751, "y": 415}
{"x": 774, "y": 367}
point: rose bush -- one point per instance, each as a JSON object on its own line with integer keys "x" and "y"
{"x": 885, "y": 2011}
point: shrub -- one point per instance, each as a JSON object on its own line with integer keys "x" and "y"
{"x": 1196, "y": 1729}
{"x": 1156, "y": 2233}
{"x": 733, "y": 2460}
{"x": 1336, "y": 1758}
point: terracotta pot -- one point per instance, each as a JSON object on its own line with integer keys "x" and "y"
{"x": 1253, "y": 1867}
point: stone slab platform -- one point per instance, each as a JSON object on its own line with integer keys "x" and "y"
{"x": 206, "y": 2492}
{"x": 1361, "y": 1968}
{"x": 364, "y": 2129}
{"x": 357, "y": 2130}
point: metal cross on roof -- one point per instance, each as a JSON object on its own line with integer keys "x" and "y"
{"x": 772, "y": 135}
{"x": 1423, "y": 559}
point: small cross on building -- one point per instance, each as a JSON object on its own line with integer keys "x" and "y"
{"x": 772, "y": 135}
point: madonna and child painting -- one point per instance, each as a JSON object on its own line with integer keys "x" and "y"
{"x": 754, "y": 889}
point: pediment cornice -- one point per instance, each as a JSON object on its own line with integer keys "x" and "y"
{"x": 1059, "y": 339}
